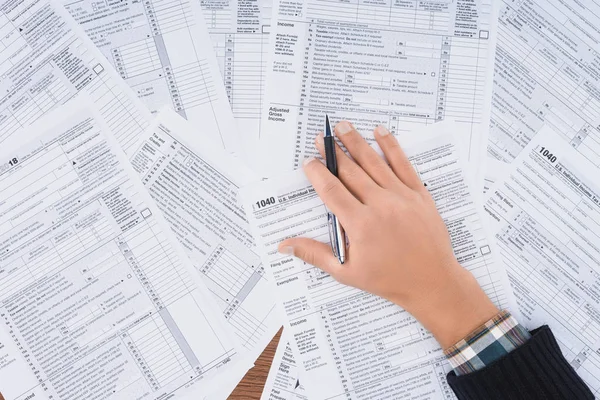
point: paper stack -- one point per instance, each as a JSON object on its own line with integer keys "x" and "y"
{"x": 137, "y": 139}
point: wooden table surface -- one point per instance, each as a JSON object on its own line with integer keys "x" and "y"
{"x": 251, "y": 387}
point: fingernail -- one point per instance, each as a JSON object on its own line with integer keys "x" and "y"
{"x": 382, "y": 131}
{"x": 287, "y": 250}
{"x": 320, "y": 138}
{"x": 308, "y": 161}
{"x": 343, "y": 127}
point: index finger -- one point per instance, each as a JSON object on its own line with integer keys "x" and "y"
{"x": 331, "y": 190}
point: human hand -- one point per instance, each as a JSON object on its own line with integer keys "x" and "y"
{"x": 399, "y": 246}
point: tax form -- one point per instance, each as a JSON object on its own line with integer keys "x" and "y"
{"x": 162, "y": 50}
{"x": 546, "y": 75}
{"x": 283, "y": 381}
{"x": 196, "y": 185}
{"x": 97, "y": 297}
{"x": 546, "y": 217}
{"x": 46, "y": 60}
{"x": 374, "y": 63}
{"x": 351, "y": 344}
{"x": 240, "y": 30}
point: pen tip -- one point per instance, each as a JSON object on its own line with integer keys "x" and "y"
{"x": 327, "y": 126}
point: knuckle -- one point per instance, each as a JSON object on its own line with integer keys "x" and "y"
{"x": 352, "y": 172}
{"x": 330, "y": 186}
{"x": 379, "y": 165}
{"x": 311, "y": 259}
{"x": 311, "y": 167}
{"x": 306, "y": 256}
{"x": 393, "y": 144}
{"x": 413, "y": 198}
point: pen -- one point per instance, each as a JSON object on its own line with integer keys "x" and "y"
{"x": 336, "y": 232}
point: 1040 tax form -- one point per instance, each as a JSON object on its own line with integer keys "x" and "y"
{"x": 97, "y": 298}
{"x": 47, "y": 60}
{"x": 239, "y": 30}
{"x": 376, "y": 63}
{"x": 545, "y": 212}
{"x": 162, "y": 50}
{"x": 196, "y": 185}
{"x": 351, "y": 344}
{"x": 284, "y": 381}
{"x": 547, "y": 66}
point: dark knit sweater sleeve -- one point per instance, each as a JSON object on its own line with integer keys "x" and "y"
{"x": 535, "y": 370}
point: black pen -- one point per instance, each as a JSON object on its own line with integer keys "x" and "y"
{"x": 336, "y": 232}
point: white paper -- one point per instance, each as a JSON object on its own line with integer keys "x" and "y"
{"x": 546, "y": 74}
{"x": 351, "y": 344}
{"x": 196, "y": 185}
{"x": 46, "y": 60}
{"x": 239, "y": 30}
{"x": 226, "y": 389}
{"x": 494, "y": 171}
{"x": 162, "y": 50}
{"x": 546, "y": 216}
{"x": 376, "y": 62}
{"x": 284, "y": 381}
{"x": 94, "y": 287}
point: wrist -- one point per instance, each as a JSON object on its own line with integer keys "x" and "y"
{"x": 454, "y": 308}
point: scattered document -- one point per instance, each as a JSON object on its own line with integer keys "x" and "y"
{"x": 196, "y": 185}
{"x": 376, "y": 63}
{"x": 351, "y": 344}
{"x": 228, "y": 387}
{"x": 284, "y": 382}
{"x": 494, "y": 171}
{"x": 162, "y": 50}
{"x": 46, "y": 60}
{"x": 546, "y": 217}
{"x": 97, "y": 297}
{"x": 240, "y": 30}
{"x": 546, "y": 75}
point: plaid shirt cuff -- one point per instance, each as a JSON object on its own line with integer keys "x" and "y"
{"x": 491, "y": 341}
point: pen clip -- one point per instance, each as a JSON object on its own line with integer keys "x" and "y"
{"x": 331, "y": 221}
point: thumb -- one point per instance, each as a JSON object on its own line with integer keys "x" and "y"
{"x": 312, "y": 252}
